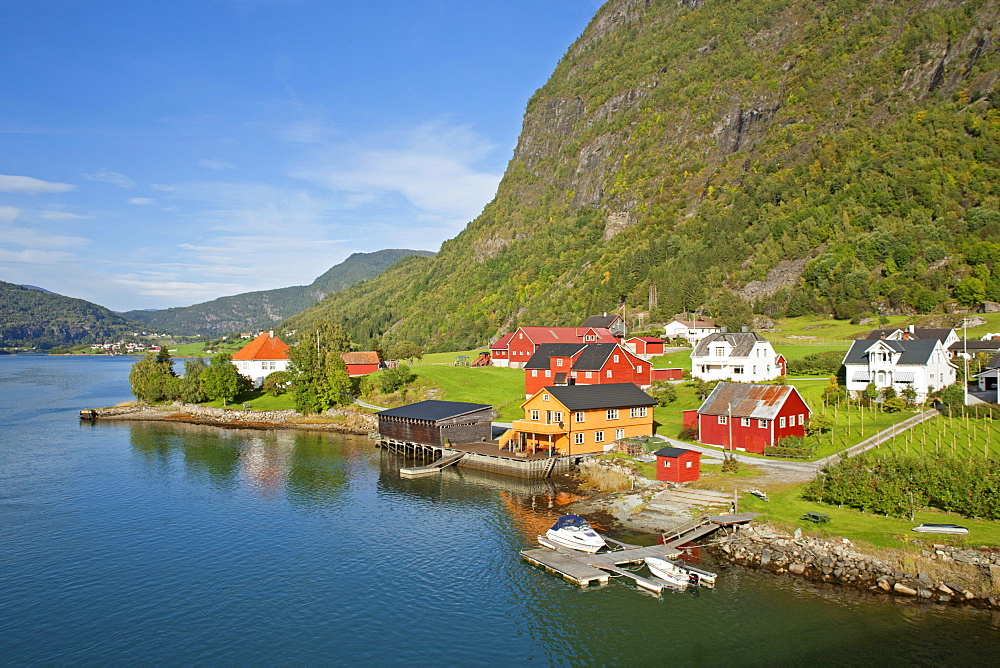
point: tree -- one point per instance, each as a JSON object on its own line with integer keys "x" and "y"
{"x": 970, "y": 291}
{"x": 151, "y": 377}
{"x": 953, "y": 395}
{"x": 909, "y": 395}
{"x": 391, "y": 380}
{"x": 702, "y": 388}
{"x": 819, "y": 424}
{"x": 732, "y": 312}
{"x": 408, "y": 350}
{"x": 221, "y": 380}
{"x": 664, "y": 393}
{"x": 276, "y": 382}
{"x": 319, "y": 376}
{"x": 190, "y": 386}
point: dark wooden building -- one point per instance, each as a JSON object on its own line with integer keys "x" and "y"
{"x": 437, "y": 423}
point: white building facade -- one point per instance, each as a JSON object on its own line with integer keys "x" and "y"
{"x": 691, "y": 330}
{"x": 742, "y": 357}
{"x": 921, "y": 364}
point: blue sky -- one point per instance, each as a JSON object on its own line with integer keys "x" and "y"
{"x": 157, "y": 154}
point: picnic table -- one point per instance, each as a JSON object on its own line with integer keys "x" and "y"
{"x": 818, "y": 518}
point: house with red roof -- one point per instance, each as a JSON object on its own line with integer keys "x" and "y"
{"x": 262, "y": 356}
{"x": 361, "y": 363}
{"x": 740, "y": 416}
{"x": 558, "y": 364}
{"x": 516, "y": 348}
{"x": 645, "y": 347}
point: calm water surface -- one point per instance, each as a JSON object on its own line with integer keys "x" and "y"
{"x": 178, "y": 544}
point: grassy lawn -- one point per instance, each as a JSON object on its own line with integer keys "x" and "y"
{"x": 669, "y": 419}
{"x": 950, "y": 435}
{"x": 501, "y": 387}
{"x": 787, "y": 506}
{"x": 198, "y": 349}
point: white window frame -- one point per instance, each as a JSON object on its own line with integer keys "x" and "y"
{"x": 619, "y": 434}
{"x": 534, "y": 415}
{"x": 545, "y": 397}
{"x": 534, "y": 373}
{"x": 723, "y": 419}
{"x": 612, "y": 413}
{"x": 548, "y": 373}
{"x": 578, "y": 438}
{"x": 638, "y": 411}
{"x": 599, "y": 436}
{"x": 609, "y": 373}
{"x": 762, "y": 424}
{"x": 580, "y": 416}
{"x": 744, "y": 422}
{"x": 781, "y": 422}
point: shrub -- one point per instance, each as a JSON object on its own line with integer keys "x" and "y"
{"x": 688, "y": 434}
{"x": 894, "y": 405}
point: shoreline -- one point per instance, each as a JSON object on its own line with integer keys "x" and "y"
{"x": 351, "y": 422}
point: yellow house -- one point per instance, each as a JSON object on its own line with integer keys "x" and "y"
{"x": 579, "y": 419}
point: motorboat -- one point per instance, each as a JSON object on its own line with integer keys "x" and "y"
{"x": 941, "y": 528}
{"x": 704, "y": 578}
{"x": 669, "y": 572}
{"x": 574, "y": 532}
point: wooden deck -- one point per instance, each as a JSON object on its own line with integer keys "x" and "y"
{"x": 584, "y": 569}
{"x": 430, "y": 469}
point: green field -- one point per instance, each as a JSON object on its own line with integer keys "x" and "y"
{"x": 948, "y": 435}
{"x": 501, "y": 387}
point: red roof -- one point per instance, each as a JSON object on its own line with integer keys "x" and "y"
{"x": 567, "y": 334}
{"x": 502, "y": 343}
{"x": 265, "y": 347}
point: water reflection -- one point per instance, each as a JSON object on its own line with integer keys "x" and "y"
{"x": 306, "y": 468}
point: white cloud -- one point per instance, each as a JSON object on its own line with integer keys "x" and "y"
{"x": 61, "y": 215}
{"x": 9, "y": 213}
{"x": 141, "y": 201}
{"x": 218, "y": 165}
{"x": 114, "y": 178}
{"x": 30, "y": 239}
{"x": 31, "y": 186}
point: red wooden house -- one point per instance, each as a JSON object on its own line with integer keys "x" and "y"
{"x": 556, "y": 364}
{"x": 677, "y": 465}
{"x": 740, "y": 416}
{"x": 667, "y": 374}
{"x": 361, "y": 364}
{"x": 518, "y": 347}
{"x": 648, "y": 346}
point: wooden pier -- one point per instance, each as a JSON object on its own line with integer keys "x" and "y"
{"x": 585, "y": 569}
{"x": 430, "y": 469}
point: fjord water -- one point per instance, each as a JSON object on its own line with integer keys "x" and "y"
{"x": 129, "y": 543}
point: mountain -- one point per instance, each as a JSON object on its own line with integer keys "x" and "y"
{"x": 253, "y": 311}
{"x": 31, "y": 317}
{"x": 807, "y": 157}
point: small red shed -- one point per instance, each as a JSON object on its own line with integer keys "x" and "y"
{"x": 649, "y": 346}
{"x": 667, "y": 374}
{"x": 677, "y": 465}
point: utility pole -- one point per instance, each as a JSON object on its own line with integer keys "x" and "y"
{"x": 965, "y": 355}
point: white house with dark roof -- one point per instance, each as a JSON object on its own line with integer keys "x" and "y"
{"x": 921, "y": 364}
{"x": 691, "y": 330}
{"x": 738, "y": 356}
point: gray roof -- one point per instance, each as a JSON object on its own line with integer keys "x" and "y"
{"x": 601, "y": 320}
{"x": 589, "y": 397}
{"x": 433, "y": 410}
{"x": 913, "y": 352}
{"x": 939, "y": 333}
{"x": 671, "y": 452}
{"x": 743, "y": 400}
{"x": 742, "y": 343}
{"x": 591, "y": 355}
{"x": 975, "y": 346}
{"x": 540, "y": 358}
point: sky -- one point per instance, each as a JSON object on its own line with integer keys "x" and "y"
{"x": 157, "y": 154}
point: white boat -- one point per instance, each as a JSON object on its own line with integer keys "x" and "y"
{"x": 941, "y": 528}
{"x": 704, "y": 578}
{"x": 669, "y": 572}
{"x": 574, "y": 532}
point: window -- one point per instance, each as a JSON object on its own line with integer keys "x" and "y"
{"x": 802, "y": 417}
{"x": 590, "y": 337}
{"x": 744, "y": 422}
{"x": 616, "y": 359}
{"x": 598, "y": 437}
{"x": 619, "y": 434}
{"x": 762, "y": 424}
{"x": 720, "y": 351}
{"x": 723, "y": 419}
{"x": 588, "y": 374}
{"x": 580, "y": 417}
{"x": 638, "y": 369}
{"x": 738, "y": 369}
{"x": 578, "y": 437}
{"x": 781, "y": 423}
{"x": 612, "y": 413}
{"x": 545, "y": 397}
{"x": 548, "y": 373}
{"x": 609, "y": 373}
{"x": 534, "y": 416}
{"x": 534, "y": 373}
{"x": 687, "y": 465}
{"x": 638, "y": 411}
{"x": 556, "y": 416}
{"x": 666, "y": 463}
{"x": 559, "y": 362}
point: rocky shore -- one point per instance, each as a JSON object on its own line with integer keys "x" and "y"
{"x": 952, "y": 575}
{"x": 345, "y": 421}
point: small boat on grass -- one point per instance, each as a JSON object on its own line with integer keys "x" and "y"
{"x": 941, "y": 528}
{"x": 574, "y": 532}
{"x": 670, "y": 572}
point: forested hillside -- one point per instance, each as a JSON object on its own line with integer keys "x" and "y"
{"x": 834, "y": 157}
{"x": 252, "y": 311}
{"x": 31, "y": 317}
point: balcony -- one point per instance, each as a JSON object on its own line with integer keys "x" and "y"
{"x": 529, "y": 427}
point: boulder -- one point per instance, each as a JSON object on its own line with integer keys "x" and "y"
{"x": 901, "y": 588}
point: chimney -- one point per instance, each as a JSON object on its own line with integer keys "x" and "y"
{"x": 271, "y": 333}
{"x": 745, "y": 329}
{"x": 911, "y": 329}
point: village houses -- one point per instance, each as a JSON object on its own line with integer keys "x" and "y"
{"x": 739, "y": 416}
{"x": 516, "y": 348}
{"x": 744, "y": 357}
{"x": 262, "y": 357}
{"x": 583, "y": 364}
{"x": 692, "y": 331}
{"x": 899, "y": 363}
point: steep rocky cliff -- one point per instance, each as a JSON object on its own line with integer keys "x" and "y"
{"x": 683, "y": 148}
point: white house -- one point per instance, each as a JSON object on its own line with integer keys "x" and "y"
{"x": 989, "y": 378}
{"x": 692, "y": 330}
{"x": 921, "y": 364}
{"x": 262, "y": 356}
{"x": 738, "y": 356}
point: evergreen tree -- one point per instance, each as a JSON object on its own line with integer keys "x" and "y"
{"x": 319, "y": 376}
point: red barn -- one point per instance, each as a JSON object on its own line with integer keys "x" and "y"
{"x": 522, "y": 344}
{"x": 738, "y": 416}
{"x": 361, "y": 364}
{"x": 677, "y": 465}
{"x": 648, "y": 346}
{"x": 667, "y": 374}
{"x": 583, "y": 364}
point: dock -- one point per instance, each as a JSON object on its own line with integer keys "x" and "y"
{"x": 432, "y": 468}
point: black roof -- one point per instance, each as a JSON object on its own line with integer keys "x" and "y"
{"x": 975, "y": 346}
{"x": 671, "y": 452}
{"x": 589, "y": 397}
{"x": 601, "y": 320}
{"x": 540, "y": 358}
{"x": 591, "y": 355}
{"x": 913, "y": 352}
{"x": 433, "y": 411}
{"x": 594, "y": 356}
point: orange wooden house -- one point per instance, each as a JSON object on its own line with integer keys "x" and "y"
{"x": 579, "y": 419}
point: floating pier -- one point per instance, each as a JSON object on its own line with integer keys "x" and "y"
{"x": 585, "y": 569}
{"x": 432, "y": 468}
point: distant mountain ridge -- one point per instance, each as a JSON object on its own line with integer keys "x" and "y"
{"x": 31, "y": 317}
{"x": 252, "y": 311}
